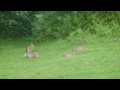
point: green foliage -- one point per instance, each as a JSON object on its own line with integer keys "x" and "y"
{"x": 77, "y": 37}
{"x": 15, "y": 24}
{"x": 74, "y": 25}
{"x": 52, "y": 25}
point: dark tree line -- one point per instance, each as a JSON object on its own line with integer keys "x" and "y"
{"x": 41, "y": 25}
{"x": 16, "y": 23}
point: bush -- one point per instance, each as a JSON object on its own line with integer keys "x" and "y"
{"x": 76, "y": 26}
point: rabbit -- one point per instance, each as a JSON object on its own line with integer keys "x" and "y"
{"x": 30, "y": 48}
{"x": 80, "y": 48}
{"x": 31, "y": 55}
{"x": 69, "y": 54}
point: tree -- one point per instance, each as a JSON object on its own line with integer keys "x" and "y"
{"x": 16, "y": 23}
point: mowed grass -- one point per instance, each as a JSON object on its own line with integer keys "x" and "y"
{"x": 99, "y": 61}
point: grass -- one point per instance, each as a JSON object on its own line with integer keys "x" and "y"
{"x": 99, "y": 61}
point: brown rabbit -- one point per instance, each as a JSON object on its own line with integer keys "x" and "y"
{"x": 69, "y": 54}
{"x": 31, "y": 55}
{"x": 80, "y": 48}
{"x": 30, "y": 48}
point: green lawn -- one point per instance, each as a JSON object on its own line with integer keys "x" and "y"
{"x": 99, "y": 61}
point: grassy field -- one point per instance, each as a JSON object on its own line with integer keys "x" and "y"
{"x": 99, "y": 61}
